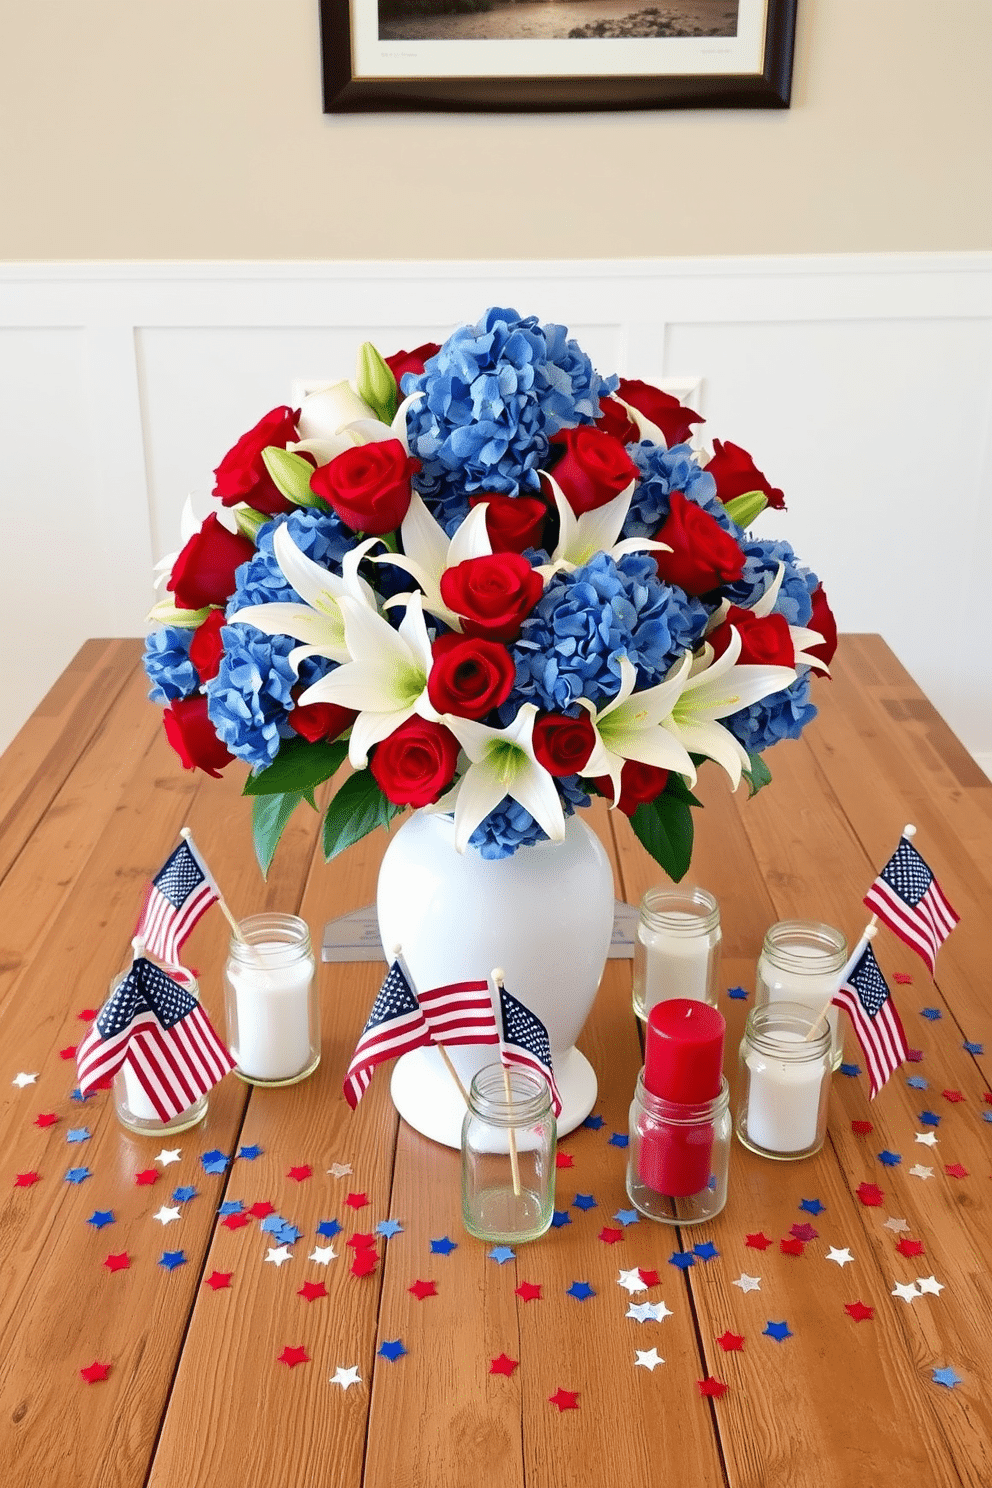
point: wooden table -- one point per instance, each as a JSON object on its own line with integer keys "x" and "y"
{"x": 196, "y": 1393}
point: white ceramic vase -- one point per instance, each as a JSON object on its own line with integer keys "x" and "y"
{"x": 544, "y": 915}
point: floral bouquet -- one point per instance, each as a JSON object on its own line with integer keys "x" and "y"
{"x": 498, "y": 583}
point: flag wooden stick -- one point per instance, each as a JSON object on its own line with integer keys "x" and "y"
{"x": 397, "y": 953}
{"x": 186, "y": 834}
{"x": 871, "y": 930}
{"x": 497, "y": 976}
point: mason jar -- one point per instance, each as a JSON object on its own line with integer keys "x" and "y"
{"x": 678, "y": 1156}
{"x": 131, "y": 1103}
{"x": 273, "y": 1008}
{"x": 785, "y": 1081}
{"x": 508, "y": 1156}
{"x": 801, "y": 961}
{"x": 677, "y": 952}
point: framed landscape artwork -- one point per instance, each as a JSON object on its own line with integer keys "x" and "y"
{"x": 516, "y": 55}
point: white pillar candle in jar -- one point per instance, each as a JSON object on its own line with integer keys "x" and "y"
{"x": 677, "y": 953}
{"x": 785, "y": 1077}
{"x": 801, "y": 961}
{"x": 273, "y": 1020}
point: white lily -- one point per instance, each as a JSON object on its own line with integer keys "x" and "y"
{"x": 633, "y": 726}
{"x": 580, "y": 538}
{"x": 800, "y": 635}
{"x": 502, "y": 763}
{"x": 319, "y": 621}
{"x": 385, "y": 679}
{"x": 325, "y": 439}
{"x": 428, "y": 551}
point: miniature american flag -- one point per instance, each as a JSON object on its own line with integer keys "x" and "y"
{"x": 396, "y": 1025}
{"x": 180, "y": 893}
{"x": 864, "y": 995}
{"x": 908, "y": 898}
{"x": 461, "y": 1013}
{"x": 159, "y": 1031}
{"x": 525, "y": 1042}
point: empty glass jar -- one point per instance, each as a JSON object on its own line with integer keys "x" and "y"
{"x": 508, "y": 1156}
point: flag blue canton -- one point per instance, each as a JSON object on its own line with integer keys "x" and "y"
{"x": 394, "y": 998}
{"x": 869, "y": 983}
{"x": 179, "y": 876}
{"x": 907, "y": 874}
{"x": 523, "y": 1028}
{"x": 144, "y": 988}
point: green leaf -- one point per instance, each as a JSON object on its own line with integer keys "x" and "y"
{"x": 758, "y": 776}
{"x": 356, "y": 809}
{"x": 744, "y": 508}
{"x": 249, "y": 521}
{"x": 167, "y": 613}
{"x": 291, "y": 476}
{"x": 298, "y": 766}
{"x": 269, "y": 815}
{"x": 677, "y": 788}
{"x": 664, "y": 827}
{"x": 376, "y": 383}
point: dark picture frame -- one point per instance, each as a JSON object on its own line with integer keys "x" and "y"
{"x": 769, "y": 86}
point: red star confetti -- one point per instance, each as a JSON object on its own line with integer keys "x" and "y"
{"x": 25, "y": 1180}
{"x": 218, "y": 1280}
{"x": 311, "y": 1290}
{"x": 150, "y": 1175}
{"x": 564, "y": 1160}
{"x": 903, "y": 978}
{"x": 527, "y": 1291}
{"x": 791, "y": 1247}
{"x": 915, "y": 1056}
{"x": 360, "y": 1242}
{"x": 301, "y": 1173}
{"x": 364, "y": 1263}
{"x": 711, "y": 1386}
{"x": 503, "y": 1365}
{"x": 861, "y": 1128}
{"x": 731, "y": 1342}
{"x": 952, "y": 1095}
{"x": 47, "y": 1118}
{"x": 649, "y": 1278}
{"x": 356, "y": 1200}
{"x": 294, "y": 1356}
{"x": 565, "y": 1399}
{"x": 987, "y": 1097}
{"x": 262, "y": 1209}
{"x": 609, "y": 1236}
{"x": 804, "y": 1232}
{"x": 955, "y": 1170}
{"x": 870, "y": 1195}
{"x": 910, "y": 1247}
{"x": 757, "y": 1242}
{"x": 422, "y": 1289}
{"x": 94, "y": 1373}
{"x": 236, "y": 1221}
{"x": 858, "y": 1311}
{"x": 87, "y": 1015}
{"x": 68, "y": 1053}
{"x": 119, "y": 1262}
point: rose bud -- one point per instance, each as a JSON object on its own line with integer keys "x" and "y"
{"x": 765, "y": 639}
{"x": 614, "y": 419}
{"x": 823, "y": 621}
{"x": 736, "y": 474}
{"x": 563, "y": 745}
{"x": 672, "y": 417}
{"x": 206, "y": 648}
{"x": 513, "y": 522}
{"x": 470, "y": 676}
{"x": 242, "y": 476}
{"x": 368, "y": 486}
{"x": 639, "y": 783}
{"x": 594, "y": 468}
{"x": 203, "y": 574}
{"x": 191, "y": 734}
{"x": 703, "y": 555}
{"x": 320, "y": 721}
{"x": 493, "y": 595}
{"x": 415, "y": 764}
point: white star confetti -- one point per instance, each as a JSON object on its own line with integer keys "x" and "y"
{"x": 168, "y": 1155}
{"x": 648, "y": 1312}
{"x": 748, "y": 1283}
{"x": 906, "y": 1290}
{"x": 166, "y": 1216}
{"x": 632, "y": 1281}
{"x": 842, "y": 1257}
{"x": 23, "y": 1079}
{"x": 279, "y": 1255}
{"x": 919, "y": 1171}
{"x": 930, "y": 1284}
{"x": 928, "y": 1139}
{"x": 322, "y": 1254}
{"x": 339, "y": 1170}
{"x": 648, "y": 1359}
{"x": 345, "y": 1377}
{"x": 897, "y": 1226}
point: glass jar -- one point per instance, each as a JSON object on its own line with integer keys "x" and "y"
{"x": 677, "y": 953}
{"x": 133, "y": 1107}
{"x": 273, "y": 1010}
{"x": 801, "y": 961}
{"x": 678, "y": 1156}
{"x": 508, "y": 1156}
{"x": 785, "y": 1081}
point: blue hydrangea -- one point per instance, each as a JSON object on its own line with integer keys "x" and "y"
{"x": 166, "y": 661}
{"x": 509, "y": 826}
{"x": 570, "y": 645}
{"x": 663, "y": 471}
{"x": 250, "y": 698}
{"x": 322, "y": 536}
{"x": 783, "y": 715}
{"x": 494, "y": 394}
{"x": 762, "y": 557}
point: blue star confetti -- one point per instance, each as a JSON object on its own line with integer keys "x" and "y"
{"x": 78, "y": 1134}
{"x": 287, "y": 1234}
{"x": 82, "y": 1095}
{"x": 987, "y": 1115}
{"x": 101, "y": 1217}
{"x": 917, "y": 1082}
{"x": 778, "y": 1331}
{"x": 583, "y": 1201}
{"x": 392, "y": 1349}
{"x": 170, "y": 1259}
{"x": 970, "y": 1048}
{"x": 501, "y": 1254}
{"x": 707, "y": 1251}
{"x": 78, "y": 1175}
{"x": 593, "y": 1122}
{"x": 618, "y": 1139}
{"x": 683, "y": 1259}
{"x": 889, "y": 1159}
{"x": 851, "y": 1070}
{"x": 444, "y": 1246}
{"x": 214, "y": 1162}
{"x": 946, "y": 1377}
{"x": 273, "y": 1223}
{"x": 739, "y": 994}
{"x": 328, "y": 1228}
{"x": 929, "y": 1118}
{"x": 387, "y": 1227}
{"x": 581, "y": 1291}
{"x": 932, "y": 1013}
{"x": 627, "y": 1217}
{"x": 560, "y": 1217}
{"x": 250, "y": 1153}
{"x": 183, "y": 1194}
{"x": 812, "y": 1206}
{"x": 231, "y": 1206}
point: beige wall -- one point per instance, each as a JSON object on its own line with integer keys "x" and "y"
{"x": 193, "y": 129}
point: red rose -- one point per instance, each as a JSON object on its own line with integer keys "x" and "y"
{"x": 320, "y": 721}
{"x": 672, "y": 417}
{"x": 411, "y": 361}
{"x": 735, "y": 474}
{"x": 206, "y": 648}
{"x": 513, "y": 522}
{"x": 191, "y": 734}
{"x": 415, "y": 764}
{"x": 492, "y": 595}
{"x": 703, "y": 555}
{"x": 563, "y": 745}
{"x": 824, "y": 622}
{"x": 614, "y": 419}
{"x": 203, "y": 574}
{"x": 765, "y": 639}
{"x": 594, "y": 468}
{"x": 368, "y": 486}
{"x": 638, "y": 783}
{"x": 242, "y": 476}
{"x": 469, "y": 676}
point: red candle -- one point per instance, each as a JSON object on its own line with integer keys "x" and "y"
{"x": 683, "y": 1067}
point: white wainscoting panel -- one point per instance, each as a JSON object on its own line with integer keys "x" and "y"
{"x": 862, "y": 384}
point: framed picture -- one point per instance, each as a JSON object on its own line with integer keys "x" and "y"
{"x": 562, "y": 55}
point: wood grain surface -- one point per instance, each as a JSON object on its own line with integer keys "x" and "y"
{"x": 91, "y": 801}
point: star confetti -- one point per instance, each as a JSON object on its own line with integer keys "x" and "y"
{"x": 757, "y": 1241}
{"x": 842, "y": 1257}
{"x": 235, "y": 1221}
{"x": 778, "y": 1331}
{"x": 851, "y": 1070}
{"x": 170, "y": 1259}
{"x": 748, "y": 1283}
{"x": 627, "y": 1217}
{"x": 328, "y": 1228}
{"x": 580, "y": 1290}
{"x": 356, "y": 1200}
{"x": 917, "y": 1082}
{"x": 82, "y": 1095}
{"x": 910, "y": 1247}
{"x": 146, "y": 1177}
{"x": 46, "y": 1118}
{"x": 391, "y": 1349}
{"x": 183, "y": 1194}
{"x": 739, "y": 994}
{"x": 293, "y": 1356}
{"x": 648, "y": 1359}
{"x": 444, "y": 1246}
{"x": 311, "y": 1290}
{"x": 649, "y": 1278}
{"x": 870, "y": 1195}
{"x": 300, "y": 1173}
{"x": 217, "y": 1281}
{"x": 907, "y": 1290}
{"x": 95, "y": 1372}
{"x": 915, "y": 1056}
{"x": 86, "y": 1015}
{"x": 927, "y": 1139}
{"x": 583, "y": 1201}
{"x": 705, "y": 1251}
{"x": 711, "y": 1386}
{"x": 214, "y": 1162}
{"x": 560, "y": 1217}
{"x": 22, "y": 1079}
{"x": 564, "y": 1160}
{"x": 731, "y": 1342}
{"x": 565, "y": 1399}
{"x": 364, "y": 1262}
{"x": 804, "y": 1232}
{"x": 165, "y": 1215}
{"x": 119, "y": 1262}
{"x": 592, "y": 1122}
{"x": 930, "y": 1013}
{"x": 618, "y": 1139}
{"x": 929, "y": 1118}
{"x": 503, "y": 1364}
{"x": 903, "y": 978}
{"x": 422, "y": 1289}
{"x": 793, "y": 1246}
{"x": 345, "y": 1377}
{"x": 68, "y": 1053}
{"x": 952, "y": 1095}
{"x": 609, "y": 1235}
{"x": 955, "y": 1170}
{"x": 250, "y": 1152}
{"x": 78, "y": 1134}
{"x": 25, "y": 1180}
{"x": 889, "y": 1159}
{"x": 278, "y": 1255}
{"x": 632, "y": 1281}
{"x": 388, "y": 1228}
{"x": 919, "y": 1171}
{"x": 322, "y": 1254}
{"x": 812, "y": 1206}
{"x": 648, "y": 1312}
{"x": 339, "y": 1170}
{"x": 231, "y": 1206}
{"x": 682, "y": 1259}
{"x": 101, "y": 1217}
{"x": 861, "y": 1128}
{"x": 897, "y": 1226}
{"x": 929, "y": 1284}
{"x": 169, "y": 1155}
{"x": 946, "y": 1377}
{"x": 78, "y": 1175}
{"x": 360, "y": 1241}
{"x": 972, "y": 1048}
{"x": 528, "y": 1291}
{"x": 859, "y": 1312}
{"x": 501, "y": 1254}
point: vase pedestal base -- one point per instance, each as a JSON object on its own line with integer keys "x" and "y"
{"x": 428, "y": 1100}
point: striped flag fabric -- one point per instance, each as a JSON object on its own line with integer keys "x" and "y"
{"x": 461, "y": 1013}
{"x": 395, "y": 1025}
{"x": 180, "y": 893}
{"x": 159, "y": 1031}
{"x": 865, "y": 996}
{"x": 525, "y": 1042}
{"x": 908, "y": 899}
